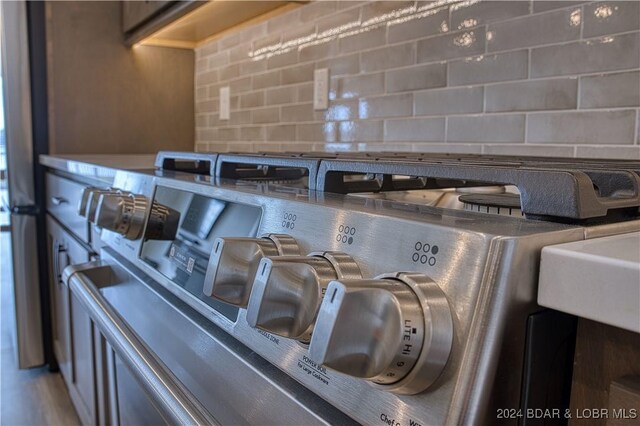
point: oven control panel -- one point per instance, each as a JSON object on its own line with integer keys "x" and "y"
{"x": 348, "y": 296}
{"x": 124, "y": 212}
{"x": 394, "y": 330}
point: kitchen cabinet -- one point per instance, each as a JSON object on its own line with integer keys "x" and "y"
{"x": 58, "y": 260}
{"x": 72, "y": 326}
{"x": 186, "y": 24}
{"x": 135, "y": 13}
{"x": 82, "y": 359}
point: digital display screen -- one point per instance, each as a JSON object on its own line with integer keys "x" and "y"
{"x": 183, "y": 257}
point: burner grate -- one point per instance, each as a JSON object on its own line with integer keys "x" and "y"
{"x": 561, "y": 188}
{"x": 580, "y": 192}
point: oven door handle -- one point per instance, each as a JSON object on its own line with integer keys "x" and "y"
{"x": 177, "y": 404}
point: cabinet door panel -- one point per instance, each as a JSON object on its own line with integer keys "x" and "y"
{"x": 58, "y": 259}
{"x": 83, "y": 365}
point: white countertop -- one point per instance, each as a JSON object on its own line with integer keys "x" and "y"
{"x": 598, "y": 279}
{"x": 102, "y": 167}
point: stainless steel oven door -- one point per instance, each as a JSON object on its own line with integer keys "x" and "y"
{"x": 167, "y": 362}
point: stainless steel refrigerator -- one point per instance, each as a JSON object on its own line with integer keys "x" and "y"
{"x": 21, "y": 199}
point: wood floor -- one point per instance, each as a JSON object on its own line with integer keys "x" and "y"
{"x": 27, "y": 397}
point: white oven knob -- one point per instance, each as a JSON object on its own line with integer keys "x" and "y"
{"x": 288, "y": 290}
{"x": 121, "y": 213}
{"x": 234, "y": 262}
{"x": 395, "y": 330}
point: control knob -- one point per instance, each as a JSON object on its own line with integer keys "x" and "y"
{"x": 162, "y": 224}
{"x": 288, "y": 290}
{"x": 234, "y": 262}
{"x": 395, "y": 330}
{"x": 89, "y": 201}
{"x": 123, "y": 213}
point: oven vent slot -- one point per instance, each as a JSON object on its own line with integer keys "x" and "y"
{"x": 280, "y": 168}
{"x": 582, "y": 190}
{"x": 189, "y": 162}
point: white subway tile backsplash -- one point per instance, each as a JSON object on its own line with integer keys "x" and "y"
{"x": 558, "y": 26}
{"x": 386, "y": 106}
{"x": 459, "y": 148}
{"x": 241, "y": 117}
{"x": 280, "y": 95}
{"x": 330, "y": 23}
{"x": 485, "y": 12}
{"x": 626, "y": 152}
{"x": 280, "y": 132}
{"x": 415, "y": 130}
{"x": 594, "y": 55}
{"x": 283, "y": 60}
{"x": 592, "y": 127}
{"x": 357, "y": 86}
{"x": 230, "y": 71}
{"x": 297, "y": 74}
{"x": 545, "y": 5}
{"x": 610, "y": 90}
{"x": 559, "y": 93}
{"x": 318, "y": 51}
{"x": 228, "y": 133}
{"x": 267, "y": 79}
{"x": 450, "y": 101}
{"x": 388, "y": 57}
{"x": 323, "y": 132}
{"x": 530, "y": 149}
{"x": 376, "y": 9}
{"x": 316, "y": 10}
{"x": 304, "y": 92}
{"x": 501, "y": 77}
{"x": 218, "y": 59}
{"x": 300, "y": 113}
{"x": 431, "y": 24}
{"x": 240, "y": 85}
{"x": 452, "y": 45}
{"x": 367, "y": 39}
{"x": 358, "y": 131}
{"x": 206, "y": 77}
{"x": 416, "y": 78}
{"x": 486, "y": 128}
{"x": 611, "y": 17}
{"x": 251, "y": 133}
{"x": 252, "y": 100}
{"x": 489, "y": 68}
{"x": 343, "y": 110}
{"x": 342, "y": 65}
{"x": 249, "y": 67}
{"x": 265, "y": 115}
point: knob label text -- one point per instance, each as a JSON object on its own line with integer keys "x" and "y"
{"x": 313, "y": 369}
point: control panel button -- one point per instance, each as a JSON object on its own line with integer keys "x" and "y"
{"x": 288, "y": 290}
{"x": 121, "y": 213}
{"x": 234, "y": 262}
{"x": 395, "y": 330}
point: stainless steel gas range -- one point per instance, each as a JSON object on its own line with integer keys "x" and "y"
{"x": 390, "y": 289}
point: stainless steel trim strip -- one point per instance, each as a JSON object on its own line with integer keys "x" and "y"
{"x": 174, "y": 400}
